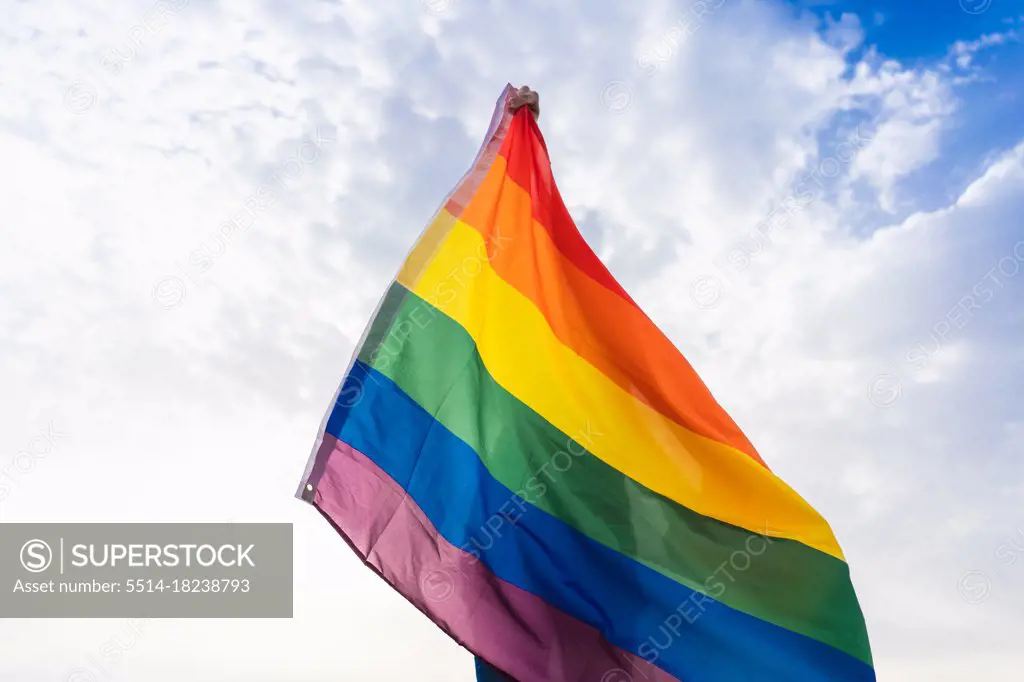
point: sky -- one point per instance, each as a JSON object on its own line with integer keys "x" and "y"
{"x": 177, "y": 366}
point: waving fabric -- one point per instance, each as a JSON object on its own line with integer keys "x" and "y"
{"x": 519, "y": 451}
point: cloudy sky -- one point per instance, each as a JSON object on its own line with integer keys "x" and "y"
{"x": 821, "y": 202}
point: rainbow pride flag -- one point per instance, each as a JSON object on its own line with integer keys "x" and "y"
{"x": 519, "y": 451}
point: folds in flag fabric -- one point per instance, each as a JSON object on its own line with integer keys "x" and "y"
{"x": 519, "y": 451}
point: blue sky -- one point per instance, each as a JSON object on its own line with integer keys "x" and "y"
{"x": 920, "y": 32}
{"x": 819, "y": 202}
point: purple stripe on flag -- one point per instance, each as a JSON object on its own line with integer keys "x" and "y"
{"x": 512, "y": 629}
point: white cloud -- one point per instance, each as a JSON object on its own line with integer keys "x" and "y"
{"x": 964, "y": 50}
{"x": 206, "y": 410}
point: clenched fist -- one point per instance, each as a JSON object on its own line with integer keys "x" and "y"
{"x": 525, "y": 97}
